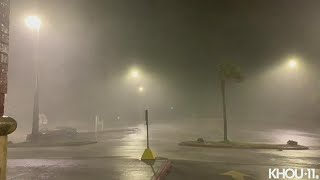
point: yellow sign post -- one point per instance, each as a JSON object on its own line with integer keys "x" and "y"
{"x": 147, "y": 154}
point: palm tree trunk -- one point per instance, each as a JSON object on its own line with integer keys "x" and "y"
{"x": 223, "y": 90}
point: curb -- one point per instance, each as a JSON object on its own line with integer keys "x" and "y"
{"x": 245, "y": 146}
{"x": 163, "y": 171}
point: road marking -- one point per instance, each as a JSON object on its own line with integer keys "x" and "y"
{"x": 236, "y": 175}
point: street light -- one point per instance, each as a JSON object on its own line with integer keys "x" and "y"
{"x": 141, "y": 89}
{"x": 33, "y": 22}
{"x": 135, "y": 74}
{"x": 292, "y": 64}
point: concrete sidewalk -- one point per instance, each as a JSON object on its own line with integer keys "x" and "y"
{"x": 113, "y": 168}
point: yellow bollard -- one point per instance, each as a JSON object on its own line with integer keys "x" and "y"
{"x": 7, "y": 126}
{"x": 148, "y": 155}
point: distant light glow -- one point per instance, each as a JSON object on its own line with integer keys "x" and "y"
{"x": 141, "y": 89}
{"x": 171, "y": 107}
{"x": 135, "y": 73}
{"x": 293, "y": 64}
{"x": 33, "y": 22}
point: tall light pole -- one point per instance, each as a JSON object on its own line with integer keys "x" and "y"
{"x": 141, "y": 101}
{"x": 34, "y": 23}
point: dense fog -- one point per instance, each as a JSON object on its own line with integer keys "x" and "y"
{"x": 88, "y": 52}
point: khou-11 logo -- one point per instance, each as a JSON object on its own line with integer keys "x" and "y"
{"x": 291, "y": 173}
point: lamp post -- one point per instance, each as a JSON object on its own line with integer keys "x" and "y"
{"x": 34, "y": 23}
{"x": 141, "y": 101}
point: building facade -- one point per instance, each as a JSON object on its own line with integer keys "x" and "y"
{"x": 4, "y": 49}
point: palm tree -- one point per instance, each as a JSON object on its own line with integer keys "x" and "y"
{"x": 228, "y": 72}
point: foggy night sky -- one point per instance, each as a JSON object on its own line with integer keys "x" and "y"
{"x": 87, "y": 47}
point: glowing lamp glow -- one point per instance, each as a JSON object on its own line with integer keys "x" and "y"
{"x": 33, "y": 22}
{"x": 135, "y": 74}
{"x": 292, "y": 64}
{"x": 141, "y": 89}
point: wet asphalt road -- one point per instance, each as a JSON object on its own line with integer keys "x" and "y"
{"x": 105, "y": 160}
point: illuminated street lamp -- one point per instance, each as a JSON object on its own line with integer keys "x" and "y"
{"x": 292, "y": 64}
{"x": 141, "y": 89}
{"x": 135, "y": 73}
{"x": 34, "y": 23}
